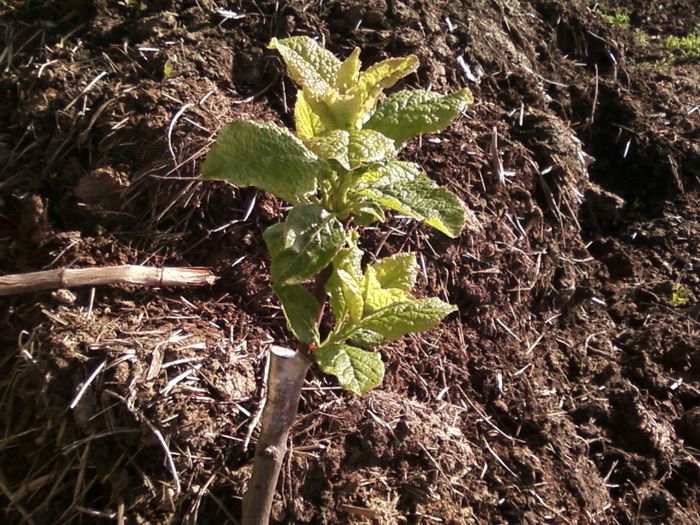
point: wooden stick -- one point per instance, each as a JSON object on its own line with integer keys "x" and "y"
{"x": 127, "y": 274}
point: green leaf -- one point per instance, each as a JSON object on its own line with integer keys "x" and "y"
{"x": 345, "y": 285}
{"x": 409, "y": 113}
{"x": 267, "y": 157}
{"x": 312, "y": 237}
{"x": 357, "y": 370}
{"x": 307, "y": 123}
{"x": 349, "y": 71}
{"x": 399, "y": 319}
{"x": 310, "y": 65}
{"x": 274, "y": 238}
{"x": 377, "y": 297}
{"x": 352, "y": 149}
{"x": 301, "y": 310}
{"x": 398, "y": 271}
{"x": 403, "y": 187}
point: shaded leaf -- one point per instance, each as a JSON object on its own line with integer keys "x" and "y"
{"x": 367, "y": 211}
{"x": 274, "y": 238}
{"x": 312, "y": 237}
{"x": 301, "y": 311}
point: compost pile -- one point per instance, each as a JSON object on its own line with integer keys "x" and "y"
{"x": 565, "y": 390}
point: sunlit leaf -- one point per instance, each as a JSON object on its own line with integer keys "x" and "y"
{"x": 311, "y": 66}
{"x": 409, "y": 113}
{"x": 267, "y": 157}
{"x": 403, "y": 187}
{"x": 399, "y": 319}
{"x": 308, "y": 124}
{"x": 357, "y": 370}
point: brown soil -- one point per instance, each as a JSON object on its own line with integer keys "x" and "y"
{"x": 566, "y": 389}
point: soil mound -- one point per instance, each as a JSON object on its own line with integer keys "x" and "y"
{"x": 564, "y": 391}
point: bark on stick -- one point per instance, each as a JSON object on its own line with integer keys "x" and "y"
{"x": 285, "y": 379}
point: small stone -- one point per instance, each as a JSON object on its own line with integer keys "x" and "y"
{"x": 63, "y": 295}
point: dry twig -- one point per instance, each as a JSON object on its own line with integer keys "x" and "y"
{"x": 127, "y": 274}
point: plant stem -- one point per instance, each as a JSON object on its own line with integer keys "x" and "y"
{"x": 284, "y": 381}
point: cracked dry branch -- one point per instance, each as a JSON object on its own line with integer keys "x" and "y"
{"x": 126, "y": 274}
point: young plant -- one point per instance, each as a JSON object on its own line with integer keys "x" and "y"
{"x": 688, "y": 46}
{"x": 339, "y": 171}
{"x": 617, "y": 18}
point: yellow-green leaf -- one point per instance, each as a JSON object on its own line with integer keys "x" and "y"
{"x": 367, "y": 146}
{"x": 377, "y": 297}
{"x": 352, "y": 292}
{"x": 308, "y": 124}
{"x": 352, "y": 149}
{"x": 397, "y": 271}
{"x": 345, "y": 285}
{"x": 399, "y": 319}
{"x": 357, "y": 370}
{"x": 311, "y": 66}
{"x": 349, "y": 71}
{"x": 388, "y": 72}
{"x": 332, "y": 145}
{"x": 379, "y": 77}
{"x": 403, "y": 187}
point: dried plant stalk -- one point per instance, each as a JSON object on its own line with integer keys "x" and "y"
{"x": 126, "y": 274}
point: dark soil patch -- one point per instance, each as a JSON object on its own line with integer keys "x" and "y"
{"x": 564, "y": 391}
